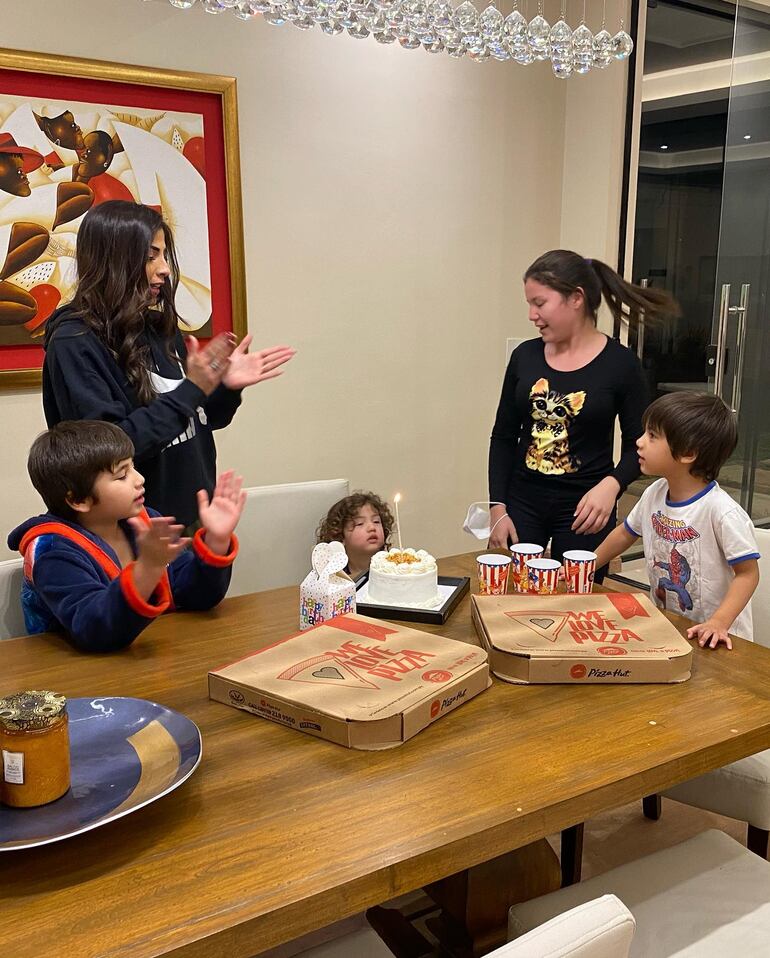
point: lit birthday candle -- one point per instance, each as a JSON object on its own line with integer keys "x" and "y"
{"x": 396, "y": 500}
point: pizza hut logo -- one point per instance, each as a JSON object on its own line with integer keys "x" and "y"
{"x": 611, "y": 650}
{"x": 437, "y": 675}
{"x": 236, "y": 696}
{"x": 578, "y": 671}
{"x": 435, "y": 708}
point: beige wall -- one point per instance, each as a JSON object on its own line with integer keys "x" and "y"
{"x": 391, "y": 201}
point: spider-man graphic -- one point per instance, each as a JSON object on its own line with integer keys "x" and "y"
{"x": 679, "y": 573}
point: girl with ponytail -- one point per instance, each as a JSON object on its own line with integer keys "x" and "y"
{"x": 551, "y": 452}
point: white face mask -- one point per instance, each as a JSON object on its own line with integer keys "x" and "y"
{"x": 477, "y": 521}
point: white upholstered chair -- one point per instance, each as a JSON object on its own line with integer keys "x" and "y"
{"x": 706, "y": 898}
{"x": 277, "y": 533}
{"x": 11, "y": 616}
{"x": 742, "y": 789}
{"x": 597, "y": 929}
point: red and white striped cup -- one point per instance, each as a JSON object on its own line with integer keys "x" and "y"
{"x": 543, "y": 576}
{"x": 493, "y": 574}
{"x": 521, "y": 553}
{"x": 579, "y": 569}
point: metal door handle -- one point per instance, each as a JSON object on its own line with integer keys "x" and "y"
{"x": 740, "y": 344}
{"x": 719, "y": 371}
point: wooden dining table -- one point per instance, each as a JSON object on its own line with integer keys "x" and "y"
{"x": 278, "y": 833}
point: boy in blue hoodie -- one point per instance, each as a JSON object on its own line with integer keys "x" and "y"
{"x": 99, "y": 566}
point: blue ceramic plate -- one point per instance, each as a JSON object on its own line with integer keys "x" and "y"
{"x": 124, "y": 753}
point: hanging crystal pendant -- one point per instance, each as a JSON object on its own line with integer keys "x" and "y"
{"x": 386, "y": 5}
{"x": 213, "y": 6}
{"x": 275, "y": 16}
{"x": 467, "y": 22}
{"x": 539, "y": 33}
{"x": 515, "y": 33}
{"x": 563, "y": 68}
{"x": 341, "y": 12}
{"x": 480, "y": 56}
{"x": 602, "y": 47}
{"x": 398, "y": 24}
{"x": 182, "y": 4}
{"x": 228, "y": 3}
{"x": 453, "y": 41}
{"x": 246, "y": 10}
{"x": 467, "y": 18}
{"x": 433, "y": 46}
{"x": 561, "y": 38}
{"x": 492, "y": 25}
{"x": 358, "y": 31}
{"x": 410, "y": 42}
{"x": 381, "y": 30}
{"x": 583, "y": 49}
{"x": 331, "y": 28}
{"x": 622, "y": 44}
{"x": 442, "y": 14}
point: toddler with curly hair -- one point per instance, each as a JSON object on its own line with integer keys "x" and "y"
{"x": 363, "y": 523}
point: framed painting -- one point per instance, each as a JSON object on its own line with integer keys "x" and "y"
{"x": 75, "y": 133}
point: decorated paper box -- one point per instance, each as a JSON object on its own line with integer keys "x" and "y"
{"x": 355, "y": 681}
{"x": 326, "y": 591}
{"x": 601, "y": 637}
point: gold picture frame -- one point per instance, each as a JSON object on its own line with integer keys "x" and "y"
{"x": 88, "y": 82}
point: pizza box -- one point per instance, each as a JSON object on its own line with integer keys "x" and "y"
{"x": 612, "y": 637}
{"x": 354, "y": 680}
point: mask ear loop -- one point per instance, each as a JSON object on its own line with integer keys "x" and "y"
{"x": 503, "y": 516}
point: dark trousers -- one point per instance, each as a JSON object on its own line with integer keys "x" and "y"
{"x": 541, "y": 517}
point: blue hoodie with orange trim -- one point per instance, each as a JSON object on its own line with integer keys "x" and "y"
{"x": 73, "y": 582}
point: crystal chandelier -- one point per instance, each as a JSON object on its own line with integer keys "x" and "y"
{"x": 439, "y": 27}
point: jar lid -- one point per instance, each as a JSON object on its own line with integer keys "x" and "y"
{"x": 26, "y": 711}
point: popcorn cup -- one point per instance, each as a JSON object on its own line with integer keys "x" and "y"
{"x": 493, "y": 574}
{"x": 521, "y": 553}
{"x": 579, "y": 569}
{"x": 543, "y": 576}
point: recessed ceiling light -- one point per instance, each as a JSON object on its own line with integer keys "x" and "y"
{"x": 664, "y": 147}
{"x": 747, "y": 136}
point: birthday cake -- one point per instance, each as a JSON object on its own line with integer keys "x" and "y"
{"x": 404, "y": 577}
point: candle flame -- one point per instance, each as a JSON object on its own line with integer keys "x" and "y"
{"x": 397, "y": 497}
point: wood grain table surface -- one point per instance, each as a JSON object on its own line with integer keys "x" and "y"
{"x": 278, "y": 833}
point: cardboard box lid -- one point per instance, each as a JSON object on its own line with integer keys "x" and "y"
{"x": 355, "y": 668}
{"x": 596, "y": 625}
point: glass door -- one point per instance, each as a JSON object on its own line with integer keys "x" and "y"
{"x": 738, "y": 358}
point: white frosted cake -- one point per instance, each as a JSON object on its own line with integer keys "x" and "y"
{"x": 404, "y": 577}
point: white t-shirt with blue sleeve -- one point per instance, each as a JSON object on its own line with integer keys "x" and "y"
{"x": 690, "y": 548}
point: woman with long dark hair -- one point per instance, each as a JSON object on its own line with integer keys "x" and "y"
{"x": 115, "y": 353}
{"x": 551, "y": 451}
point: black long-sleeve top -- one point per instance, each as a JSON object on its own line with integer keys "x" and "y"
{"x": 172, "y": 435}
{"x": 557, "y": 428}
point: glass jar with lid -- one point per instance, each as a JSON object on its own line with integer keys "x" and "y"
{"x": 34, "y": 747}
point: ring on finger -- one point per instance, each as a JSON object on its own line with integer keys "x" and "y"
{"x": 214, "y": 364}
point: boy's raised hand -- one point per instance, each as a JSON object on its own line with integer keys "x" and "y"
{"x": 220, "y": 516}
{"x": 709, "y": 634}
{"x": 158, "y": 544}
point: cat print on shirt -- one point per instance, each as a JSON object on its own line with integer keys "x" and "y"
{"x": 552, "y": 413}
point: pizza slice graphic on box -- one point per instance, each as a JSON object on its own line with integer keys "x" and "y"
{"x": 326, "y": 669}
{"x": 545, "y": 624}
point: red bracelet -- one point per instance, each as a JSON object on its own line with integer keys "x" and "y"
{"x": 212, "y": 558}
{"x": 136, "y": 602}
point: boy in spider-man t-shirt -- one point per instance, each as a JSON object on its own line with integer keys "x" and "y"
{"x": 98, "y": 565}
{"x": 699, "y": 544}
